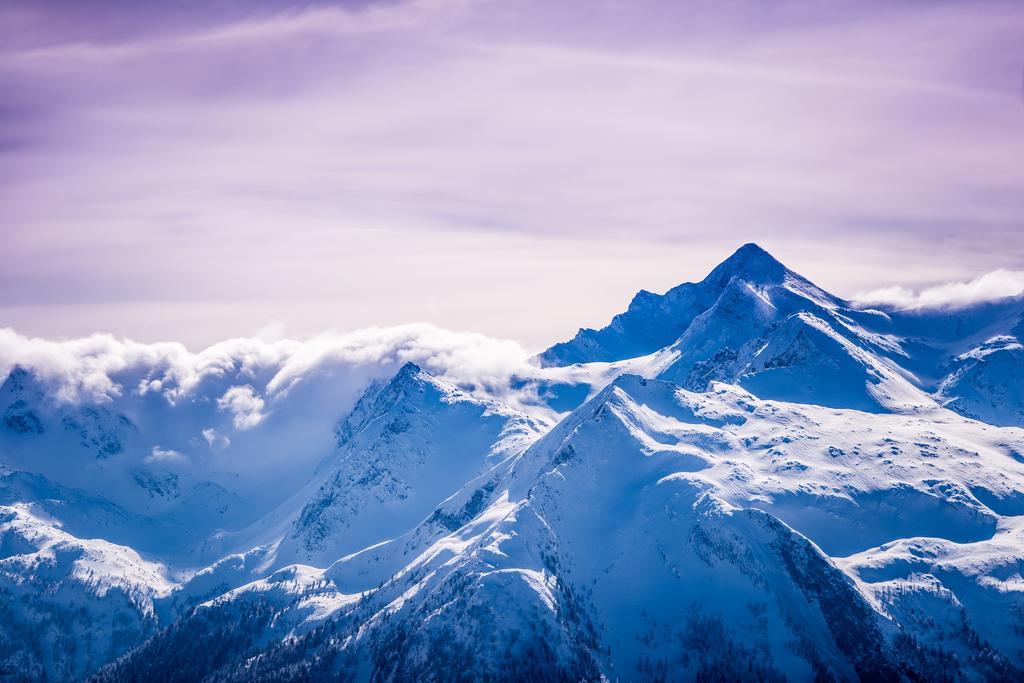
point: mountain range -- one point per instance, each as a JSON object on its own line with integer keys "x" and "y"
{"x": 745, "y": 478}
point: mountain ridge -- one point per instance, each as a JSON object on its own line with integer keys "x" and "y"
{"x": 777, "y": 472}
{"x": 724, "y": 325}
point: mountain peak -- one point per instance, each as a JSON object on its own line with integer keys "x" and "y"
{"x": 408, "y": 376}
{"x": 752, "y": 248}
{"x": 750, "y": 262}
{"x": 406, "y": 372}
{"x": 654, "y": 321}
{"x": 17, "y": 380}
{"x": 408, "y": 387}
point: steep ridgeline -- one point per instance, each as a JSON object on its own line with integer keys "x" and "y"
{"x": 660, "y": 533}
{"x": 416, "y": 459}
{"x": 755, "y": 323}
{"x": 75, "y": 594}
{"x": 751, "y": 479}
{"x": 408, "y": 445}
{"x": 655, "y": 321}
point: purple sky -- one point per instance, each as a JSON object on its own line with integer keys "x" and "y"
{"x": 196, "y": 170}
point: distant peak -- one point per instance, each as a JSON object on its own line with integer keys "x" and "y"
{"x": 410, "y": 373}
{"x": 754, "y": 249}
{"x": 629, "y": 379}
{"x": 17, "y": 379}
{"x": 412, "y": 378}
{"x": 380, "y": 398}
{"x": 750, "y": 254}
{"x": 749, "y": 262}
{"x": 18, "y": 372}
{"x": 408, "y": 369}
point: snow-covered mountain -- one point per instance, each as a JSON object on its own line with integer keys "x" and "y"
{"x": 746, "y": 478}
{"x": 646, "y": 535}
{"x": 406, "y": 447}
{"x": 69, "y": 605}
{"x": 751, "y": 281}
{"x": 103, "y": 452}
{"x": 755, "y": 323}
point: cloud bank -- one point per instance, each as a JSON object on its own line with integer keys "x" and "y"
{"x": 102, "y": 369}
{"x": 233, "y": 412}
{"x": 999, "y": 284}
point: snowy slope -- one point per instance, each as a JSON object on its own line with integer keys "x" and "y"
{"x": 410, "y": 450}
{"x": 961, "y": 602}
{"x": 69, "y": 605}
{"x": 655, "y": 321}
{"x": 756, "y": 323}
{"x": 642, "y": 535}
{"x": 987, "y": 382}
{"x": 408, "y": 445}
{"x": 774, "y": 332}
{"x": 748, "y": 479}
{"x": 92, "y": 447}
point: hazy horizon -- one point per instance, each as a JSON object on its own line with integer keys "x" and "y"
{"x": 991, "y": 286}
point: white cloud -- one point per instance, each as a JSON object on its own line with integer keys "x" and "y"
{"x": 248, "y": 377}
{"x": 165, "y": 456}
{"x": 998, "y": 284}
{"x": 83, "y": 369}
{"x": 215, "y": 440}
{"x": 244, "y": 404}
{"x": 242, "y": 407}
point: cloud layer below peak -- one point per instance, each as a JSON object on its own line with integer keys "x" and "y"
{"x": 241, "y": 405}
{"x": 993, "y": 286}
{"x": 102, "y": 368}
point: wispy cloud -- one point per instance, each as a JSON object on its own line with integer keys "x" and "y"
{"x": 245, "y": 406}
{"x": 324, "y": 22}
{"x": 165, "y": 456}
